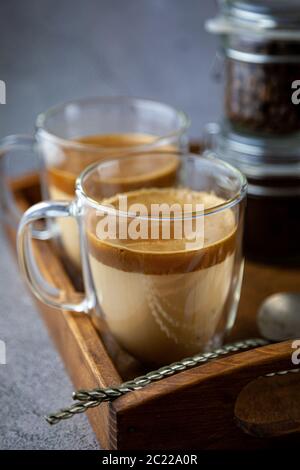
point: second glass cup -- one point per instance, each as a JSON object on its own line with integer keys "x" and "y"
{"x": 71, "y": 136}
{"x": 161, "y": 250}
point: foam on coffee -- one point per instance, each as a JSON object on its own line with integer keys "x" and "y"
{"x": 97, "y": 147}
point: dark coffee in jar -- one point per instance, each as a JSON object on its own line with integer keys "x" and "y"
{"x": 272, "y": 232}
{"x": 272, "y": 167}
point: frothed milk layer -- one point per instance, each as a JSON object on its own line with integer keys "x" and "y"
{"x": 161, "y": 301}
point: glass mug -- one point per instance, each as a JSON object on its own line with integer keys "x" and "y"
{"x": 71, "y": 136}
{"x": 162, "y": 297}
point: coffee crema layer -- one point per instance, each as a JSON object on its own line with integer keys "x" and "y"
{"x": 63, "y": 169}
{"x": 165, "y": 256}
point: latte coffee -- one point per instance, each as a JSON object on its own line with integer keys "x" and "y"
{"x": 161, "y": 253}
{"x": 161, "y": 300}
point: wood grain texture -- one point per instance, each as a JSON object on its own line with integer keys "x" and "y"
{"x": 195, "y": 409}
{"x": 199, "y": 408}
{"x": 270, "y": 406}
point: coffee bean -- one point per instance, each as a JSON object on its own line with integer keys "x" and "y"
{"x": 258, "y": 95}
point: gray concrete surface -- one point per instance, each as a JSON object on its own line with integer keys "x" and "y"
{"x": 52, "y": 51}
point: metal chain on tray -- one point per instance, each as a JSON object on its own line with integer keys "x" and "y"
{"x": 92, "y": 398}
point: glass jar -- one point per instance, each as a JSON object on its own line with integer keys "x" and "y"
{"x": 260, "y": 43}
{"x": 272, "y": 167}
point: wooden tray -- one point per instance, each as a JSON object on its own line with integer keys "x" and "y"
{"x": 223, "y": 404}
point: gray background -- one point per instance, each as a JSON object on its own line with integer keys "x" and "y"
{"x": 51, "y": 51}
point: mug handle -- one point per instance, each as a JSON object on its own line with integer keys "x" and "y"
{"x": 11, "y": 214}
{"x": 48, "y": 294}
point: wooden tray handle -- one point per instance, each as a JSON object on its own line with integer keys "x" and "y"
{"x": 269, "y": 406}
{"x": 222, "y": 407}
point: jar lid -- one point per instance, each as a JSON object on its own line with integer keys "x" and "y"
{"x": 258, "y": 156}
{"x": 272, "y": 18}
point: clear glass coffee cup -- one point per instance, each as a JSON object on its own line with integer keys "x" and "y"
{"x": 161, "y": 251}
{"x": 71, "y": 136}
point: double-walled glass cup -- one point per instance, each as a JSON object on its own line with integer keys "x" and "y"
{"x": 71, "y": 136}
{"x": 161, "y": 251}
